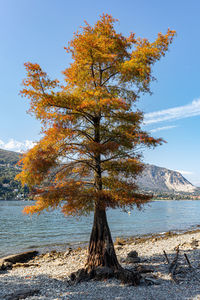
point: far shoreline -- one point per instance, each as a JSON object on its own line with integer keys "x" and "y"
{"x": 153, "y": 199}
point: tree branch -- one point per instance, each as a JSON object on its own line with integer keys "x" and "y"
{"x": 92, "y": 69}
{"x": 112, "y": 75}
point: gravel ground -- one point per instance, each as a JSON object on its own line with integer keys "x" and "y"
{"x": 49, "y": 273}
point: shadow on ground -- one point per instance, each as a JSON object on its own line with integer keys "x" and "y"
{"x": 51, "y": 288}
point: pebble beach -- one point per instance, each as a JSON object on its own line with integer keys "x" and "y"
{"x": 47, "y": 275}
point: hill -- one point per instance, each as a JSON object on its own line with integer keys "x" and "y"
{"x": 157, "y": 179}
{"x": 8, "y": 157}
{"x": 9, "y": 187}
{"x": 154, "y": 179}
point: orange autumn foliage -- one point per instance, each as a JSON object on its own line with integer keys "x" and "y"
{"x": 90, "y": 152}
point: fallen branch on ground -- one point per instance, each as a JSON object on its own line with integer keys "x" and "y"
{"x": 165, "y": 254}
{"x": 187, "y": 259}
{"x": 173, "y": 266}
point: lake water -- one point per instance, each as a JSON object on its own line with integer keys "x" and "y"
{"x": 52, "y": 230}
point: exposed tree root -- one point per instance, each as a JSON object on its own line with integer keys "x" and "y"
{"x": 102, "y": 273}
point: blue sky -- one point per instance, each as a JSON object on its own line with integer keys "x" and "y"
{"x": 37, "y": 31}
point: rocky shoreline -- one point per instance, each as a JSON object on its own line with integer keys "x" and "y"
{"x": 46, "y": 276}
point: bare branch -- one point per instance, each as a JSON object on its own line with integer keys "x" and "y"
{"x": 112, "y": 75}
{"x": 92, "y": 69}
{"x": 85, "y": 134}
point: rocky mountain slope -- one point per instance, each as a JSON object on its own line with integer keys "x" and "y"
{"x": 164, "y": 180}
{"x": 153, "y": 178}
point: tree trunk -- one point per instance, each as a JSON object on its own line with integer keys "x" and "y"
{"x": 101, "y": 250}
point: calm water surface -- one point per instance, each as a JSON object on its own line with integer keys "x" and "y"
{"x": 52, "y": 230}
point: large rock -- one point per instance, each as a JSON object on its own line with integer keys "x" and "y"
{"x": 6, "y": 262}
{"x": 132, "y": 258}
{"x": 20, "y": 257}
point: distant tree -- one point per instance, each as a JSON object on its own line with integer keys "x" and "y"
{"x": 5, "y": 180}
{"x": 90, "y": 155}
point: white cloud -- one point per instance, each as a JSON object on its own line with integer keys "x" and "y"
{"x": 17, "y": 146}
{"x": 196, "y": 183}
{"x": 162, "y": 128}
{"x": 185, "y": 172}
{"x": 179, "y": 112}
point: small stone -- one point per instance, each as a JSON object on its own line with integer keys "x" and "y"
{"x": 154, "y": 239}
{"x": 118, "y": 248}
{"x": 132, "y": 260}
{"x": 53, "y": 252}
{"x": 151, "y": 281}
{"x": 47, "y": 255}
{"x": 7, "y": 265}
{"x": 122, "y": 259}
{"x": 120, "y": 241}
{"x": 68, "y": 252}
{"x": 133, "y": 254}
{"x": 186, "y": 245}
{"x": 194, "y": 243}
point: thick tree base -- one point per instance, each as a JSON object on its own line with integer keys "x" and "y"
{"x": 101, "y": 273}
{"x": 102, "y": 261}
